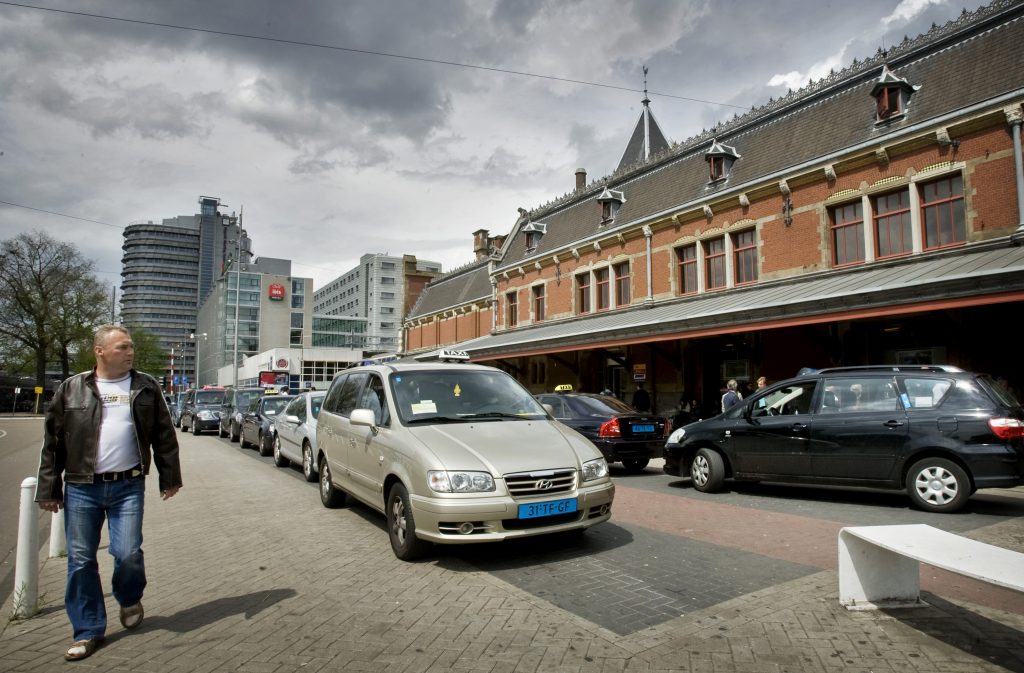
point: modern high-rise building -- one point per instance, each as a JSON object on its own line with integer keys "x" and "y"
{"x": 169, "y": 269}
{"x": 381, "y": 290}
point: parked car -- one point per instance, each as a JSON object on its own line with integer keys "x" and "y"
{"x": 455, "y": 453}
{"x": 936, "y": 431}
{"x": 622, "y": 433}
{"x": 295, "y": 433}
{"x": 236, "y": 401}
{"x": 258, "y": 422}
{"x": 177, "y": 399}
{"x": 201, "y": 410}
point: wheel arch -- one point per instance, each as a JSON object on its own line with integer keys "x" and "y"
{"x": 935, "y": 452}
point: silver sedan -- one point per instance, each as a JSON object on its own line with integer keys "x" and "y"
{"x": 295, "y": 436}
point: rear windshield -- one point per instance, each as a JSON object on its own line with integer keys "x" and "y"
{"x": 583, "y": 406}
{"x": 245, "y": 397}
{"x": 274, "y": 405}
{"x": 209, "y": 397}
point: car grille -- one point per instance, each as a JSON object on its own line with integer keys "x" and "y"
{"x": 528, "y": 484}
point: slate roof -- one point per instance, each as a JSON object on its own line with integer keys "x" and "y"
{"x": 971, "y": 61}
{"x": 462, "y": 286}
{"x": 636, "y": 152}
{"x": 985, "y": 272}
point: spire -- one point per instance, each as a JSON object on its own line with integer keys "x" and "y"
{"x": 647, "y": 138}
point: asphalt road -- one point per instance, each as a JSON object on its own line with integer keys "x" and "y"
{"x": 20, "y": 439}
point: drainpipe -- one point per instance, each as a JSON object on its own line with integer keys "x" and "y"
{"x": 648, "y": 234}
{"x": 1015, "y": 116}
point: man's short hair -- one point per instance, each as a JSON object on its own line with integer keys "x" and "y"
{"x": 104, "y": 332}
{"x": 732, "y": 385}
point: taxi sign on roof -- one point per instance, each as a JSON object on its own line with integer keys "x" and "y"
{"x": 447, "y": 354}
{"x": 564, "y": 388}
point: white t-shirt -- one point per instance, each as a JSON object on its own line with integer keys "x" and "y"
{"x": 118, "y": 450}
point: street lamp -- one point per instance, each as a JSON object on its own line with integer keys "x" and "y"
{"x": 194, "y": 337}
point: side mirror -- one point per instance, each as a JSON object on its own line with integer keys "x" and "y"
{"x": 365, "y": 418}
{"x": 291, "y": 418}
{"x": 548, "y": 408}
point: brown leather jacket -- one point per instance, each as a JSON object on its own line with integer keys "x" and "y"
{"x": 72, "y": 431}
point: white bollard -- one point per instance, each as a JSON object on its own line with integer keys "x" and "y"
{"x": 26, "y": 569}
{"x": 58, "y": 543}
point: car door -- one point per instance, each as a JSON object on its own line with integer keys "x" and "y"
{"x": 859, "y": 429}
{"x": 354, "y": 479}
{"x": 288, "y": 424}
{"x": 770, "y": 432}
{"x": 366, "y": 447}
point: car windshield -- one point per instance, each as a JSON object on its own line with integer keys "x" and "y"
{"x": 315, "y": 402}
{"x": 210, "y": 397}
{"x": 461, "y": 395}
{"x": 585, "y": 405}
{"x": 243, "y": 398}
{"x": 274, "y": 405}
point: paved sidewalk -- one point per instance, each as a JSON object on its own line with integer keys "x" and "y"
{"x": 249, "y": 573}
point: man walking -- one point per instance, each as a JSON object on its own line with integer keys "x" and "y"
{"x": 102, "y": 432}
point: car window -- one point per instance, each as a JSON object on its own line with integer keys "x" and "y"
{"x": 997, "y": 392}
{"x": 349, "y": 398}
{"x": 555, "y": 402}
{"x": 334, "y": 393}
{"x": 461, "y": 394}
{"x": 244, "y": 397}
{"x": 927, "y": 392}
{"x": 787, "y": 400}
{"x": 315, "y": 403}
{"x": 293, "y": 407}
{"x": 374, "y": 399}
{"x": 209, "y": 396}
{"x": 273, "y": 406}
{"x": 253, "y": 407}
{"x": 852, "y": 395}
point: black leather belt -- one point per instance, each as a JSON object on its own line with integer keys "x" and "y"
{"x": 117, "y": 476}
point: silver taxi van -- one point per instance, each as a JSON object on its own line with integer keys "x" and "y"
{"x": 452, "y": 453}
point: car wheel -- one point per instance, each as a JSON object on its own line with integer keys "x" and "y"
{"x": 221, "y": 432}
{"x": 938, "y": 485}
{"x": 234, "y": 432}
{"x": 635, "y": 465}
{"x": 242, "y": 441}
{"x": 307, "y": 462}
{"x": 195, "y": 429}
{"x": 279, "y": 460}
{"x": 402, "y": 527}
{"x": 330, "y": 496}
{"x": 261, "y": 445}
{"x": 707, "y": 471}
{"x": 183, "y": 427}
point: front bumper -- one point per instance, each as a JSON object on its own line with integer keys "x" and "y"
{"x": 496, "y": 518}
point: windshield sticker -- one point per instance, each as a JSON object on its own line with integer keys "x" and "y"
{"x": 424, "y": 407}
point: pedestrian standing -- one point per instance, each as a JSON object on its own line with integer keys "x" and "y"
{"x": 641, "y": 400}
{"x": 731, "y": 396}
{"x": 103, "y": 430}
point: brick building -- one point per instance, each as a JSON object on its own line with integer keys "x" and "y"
{"x": 867, "y": 218}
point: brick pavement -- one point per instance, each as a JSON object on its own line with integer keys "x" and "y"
{"x": 249, "y": 573}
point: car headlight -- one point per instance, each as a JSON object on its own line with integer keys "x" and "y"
{"x": 443, "y": 481}
{"x": 677, "y": 436}
{"x": 595, "y": 469}
{"x": 206, "y": 415}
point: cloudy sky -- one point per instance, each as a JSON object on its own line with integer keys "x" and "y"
{"x": 344, "y": 127}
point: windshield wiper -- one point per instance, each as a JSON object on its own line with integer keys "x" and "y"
{"x": 436, "y": 419}
{"x": 494, "y": 414}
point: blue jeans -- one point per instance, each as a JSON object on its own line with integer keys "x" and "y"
{"x": 85, "y": 507}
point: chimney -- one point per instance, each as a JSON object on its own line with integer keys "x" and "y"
{"x": 481, "y": 243}
{"x": 581, "y": 178}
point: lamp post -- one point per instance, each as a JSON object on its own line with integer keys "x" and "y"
{"x": 195, "y": 338}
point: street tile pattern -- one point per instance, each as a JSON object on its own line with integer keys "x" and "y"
{"x": 248, "y": 573}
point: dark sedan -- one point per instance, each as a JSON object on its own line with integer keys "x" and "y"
{"x": 258, "y": 422}
{"x": 622, "y": 433}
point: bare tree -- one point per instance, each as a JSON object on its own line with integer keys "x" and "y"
{"x": 39, "y": 277}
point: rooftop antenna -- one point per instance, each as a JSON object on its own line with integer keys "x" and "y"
{"x": 647, "y": 120}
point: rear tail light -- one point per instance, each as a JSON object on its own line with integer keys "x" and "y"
{"x": 610, "y": 429}
{"x": 1007, "y": 428}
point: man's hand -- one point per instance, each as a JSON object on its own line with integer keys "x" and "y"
{"x": 167, "y": 493}
{"x": 51, "y": 505}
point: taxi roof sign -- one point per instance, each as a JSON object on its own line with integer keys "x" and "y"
{"x": 450, "y": 355}
{"x": 564, "y": 388}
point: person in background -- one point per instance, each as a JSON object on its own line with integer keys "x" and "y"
{"x": 102, "y": 432}
{"x": 731, "y": 396}
{"x": 641, "y": 400}
{"x": 761, "y": 382}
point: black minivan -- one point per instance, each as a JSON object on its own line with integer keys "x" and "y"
{"x": 936, "y": 431}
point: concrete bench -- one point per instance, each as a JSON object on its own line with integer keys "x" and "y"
{"x": 879, "y": 566}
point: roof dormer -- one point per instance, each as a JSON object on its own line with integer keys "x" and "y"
{"x": 534, "y": 231}
{"x": 610, "y": 200}
{"x": 720, "y": 158}
{"x": 892, "y": 94}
